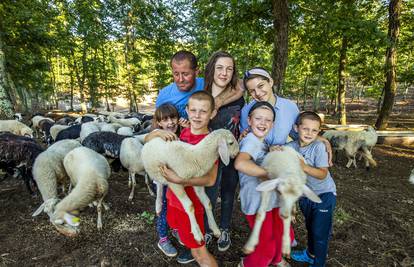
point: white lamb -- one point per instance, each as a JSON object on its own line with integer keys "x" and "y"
{"x": 88, "y": 172}
{"x": 48, "y": 171}
{"x": 130, "y": 157}
{"x": 87, "y": 128}
{"x": 189, "y": 161}
{"x": 15, "y": 127}
{"x": 127, "y": 131}
{"x": 289, "y": 179}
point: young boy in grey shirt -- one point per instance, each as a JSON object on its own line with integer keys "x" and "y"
{"x": 318, "y": 216}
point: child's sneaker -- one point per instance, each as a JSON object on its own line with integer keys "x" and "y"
{"x": 167, "y": 248}
{"x": 294, "y": 243}
{"x": 301, "y": 256}
{"x": 185, "y": 257}
{"x": 224, "y": 242}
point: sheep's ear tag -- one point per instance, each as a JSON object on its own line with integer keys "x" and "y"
{"x": 223, "y": 151}
{"x": 311, "y": 195}
{"x": 71, "y": 219}
{"x": 268, "y": 185}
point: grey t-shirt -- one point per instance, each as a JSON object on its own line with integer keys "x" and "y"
{"x": 316, "y": 156}
{"x": 250, "y": 198}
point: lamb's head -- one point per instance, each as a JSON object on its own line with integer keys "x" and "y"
{"x": 66, "y": 223}
{"x": 227, "y": 145}
{"x": 289, "y": 191}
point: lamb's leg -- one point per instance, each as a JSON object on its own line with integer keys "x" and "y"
{"x": 158, "y": 199}
{"x": 129, "y": 180}
{"x": 147, "y": 182}
{"x": 180, "y": 193}
{"x": 260, "y": 216}
{"x": 99, "y": 209}
{"x": 286, "y": 236}
{"x": 201, "y": 193}
{"x": 369, "y": 160}
{"x": 132, "y": 178}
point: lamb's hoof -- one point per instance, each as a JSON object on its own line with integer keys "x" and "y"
{"x": 129, "y": 184}
{"x": 130, "y": 198}
{"x": 247, "y": 250}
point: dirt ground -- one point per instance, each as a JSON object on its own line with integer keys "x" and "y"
{"x": 374, "y": 223}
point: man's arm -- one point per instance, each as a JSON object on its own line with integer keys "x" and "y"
{"x": 206, "y": 180}
{"x": 229, "y": 95}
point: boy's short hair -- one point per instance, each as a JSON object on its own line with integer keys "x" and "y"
{"x": 264, "y": 105}
{"x": 185, "y": 55}
{"x": 310, "y": 115}
{"x": 205, "y": 96}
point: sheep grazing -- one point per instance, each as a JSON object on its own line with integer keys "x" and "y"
{"x": 351, "y": 142}
{"x": 189, "y": 161}
{"x": 15, "y": 127}
{"x": 106, "y": 143}
{"x": 44, "y": 126}
{"x": 130, "y": 122}
{"x": 17, "y": 117}
{"x": 88, "y": 172}
{"x": 286, "y": 175}
{"x": 66, "y": 120}
{"x": 48, "y": 171}
{"x": 36, "y": 123}
{"x": 19, "y": 153}
{"x": 130, "y": 157}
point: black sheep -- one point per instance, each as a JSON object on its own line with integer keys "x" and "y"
{"x": 105, "y": 143}
{"x": 19, "y": 152}
{"x": 72, "y": 132}
{"x": 45, "y": 126}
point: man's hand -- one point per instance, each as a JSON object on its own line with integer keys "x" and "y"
{"x": 170, "y": 175}
{"x": 184, "y": 123}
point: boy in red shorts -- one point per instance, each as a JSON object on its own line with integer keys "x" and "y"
{"x": 200, "y": 110}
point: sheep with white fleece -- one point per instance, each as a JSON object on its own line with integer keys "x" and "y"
{"x": 87, "y": 128}
{"x": 130, "y": 122}
{"x": 189, "y": 161}
{"x": 55, "y": 129}
{"x": 35, "y": 123}
{"x": 15, "y": 127}
{"x": 287, "y": 176}
{"x": 48, "y": 171}
{"x": 127, "y": 131}
{"x": 351, "y": 142}
{"x": 88, "y": 172}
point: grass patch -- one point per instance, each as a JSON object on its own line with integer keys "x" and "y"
{"x": 341, "y": 216}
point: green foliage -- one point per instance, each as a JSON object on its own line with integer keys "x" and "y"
{"x": 147, "y": 217}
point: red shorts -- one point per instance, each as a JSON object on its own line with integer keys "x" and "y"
{"x": 178, "y": 219}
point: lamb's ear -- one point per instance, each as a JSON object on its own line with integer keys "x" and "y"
{"x": 39, "y": 210}
{"x": 223, "y": 151}
{"x": 268, "y": 185}
{"x": 311, "y": 195}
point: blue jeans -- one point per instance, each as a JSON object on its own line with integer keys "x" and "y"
{"x": 319, "y": 221}
{"x": 227, "y": 180}
{"x": 162, "y": 225}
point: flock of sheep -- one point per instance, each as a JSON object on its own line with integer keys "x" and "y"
{"x": 82, "y": 151}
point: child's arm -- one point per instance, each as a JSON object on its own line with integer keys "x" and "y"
{"x": 245, "y": 164}
{"x": 328, "y": 148}
{"x": 229, "y": 96}
{"x": 206, "y": 180}
{"x": 319, "y": 173}
{"x": 165, "y": 135}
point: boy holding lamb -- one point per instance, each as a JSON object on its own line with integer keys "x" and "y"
{"x": 200, "y": 110}
{"x": 318, "y": 216}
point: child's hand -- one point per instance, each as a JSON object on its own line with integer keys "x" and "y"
{"x": 243, "y": 134}
{"x": 170, "y": 175}
{"x": 303, "y": 164}
{"x": 276, "y": 148}
{"x": 167, "y": 136}
{"x": 184, "y": 123}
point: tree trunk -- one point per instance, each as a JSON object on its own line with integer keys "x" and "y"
{"x": 341, "y": 82}
{"x": 6, "y": 108}
{"x": 316, "y": 96}
{"x": 280, "y": 42}
{"x": 390, "y": 88}
{"x": 305, "y": 89}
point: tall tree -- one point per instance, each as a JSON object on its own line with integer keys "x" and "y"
{"x": 6, "y": 109}
{"x": 394, "y": 11}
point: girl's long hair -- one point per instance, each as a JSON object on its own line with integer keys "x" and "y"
{"x": 210, "y": 68}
